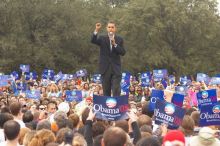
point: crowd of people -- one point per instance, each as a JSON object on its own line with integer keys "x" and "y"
{"x": 52, "y": 121}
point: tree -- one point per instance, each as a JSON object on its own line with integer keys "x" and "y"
{"x": 180, "y": 35}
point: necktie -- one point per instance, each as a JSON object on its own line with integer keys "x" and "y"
{"x": 110, "y": 45}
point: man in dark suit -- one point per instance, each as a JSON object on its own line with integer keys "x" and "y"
{"x": 111, "y": 48}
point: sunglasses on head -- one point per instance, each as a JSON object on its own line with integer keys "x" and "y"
{"x": 42, "y": 108}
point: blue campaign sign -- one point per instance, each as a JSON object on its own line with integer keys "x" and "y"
{"x": 145, "y": 79}
{"x": 177, "y": 99}
{"x": 110, "y": 108}
{"x": 33, "y": 94}
{"x": 206, "y": 97}
{"x": 172, "y": 79}
{"x": 24, "y": 68}
{"x": 21, "y": 86}
{"x": 159, "y": 74}
{"x": 185, "y": 80}
{"x": 217, "y": 75}
{"x": 164, "y": 83}
{"x": 181, "y": 90}
{"x": 33, "y": 75}
{"x": 74, "y": 95}
{"x": 72, "y": 76}
{"x": 169, "y": 114}
{"x": 97, "y": 78}
{"x": 48, "y": 74}
{"x": 15, "y": 75}
{"x": 81, "y": 73}
{"x": 210, "y": 115}
{"x": 155, "y": 94}
{"x": 65, "y": 77}
{"x": 201, "y": 77}
{"x": 4, "y": 80}
{"x": 10, "y": 78}
{"x": 4, "y": 77}
{"x": 58, "y": 77}
{"x": 214, "y": 81}
{"x": 125, "y": 83}
{"x": 30, "y": 75}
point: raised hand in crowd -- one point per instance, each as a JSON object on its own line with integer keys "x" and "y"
{"x": 161, "y": 130}
{"x": 164, "y": 129}
{"x": 133, "y": 125}
{"x": 98, "y": 27}
{"x": 132, "y": 115}
{"x": 91, "y": 115}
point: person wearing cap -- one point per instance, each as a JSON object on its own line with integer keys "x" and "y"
{"x": 206, "y": 137}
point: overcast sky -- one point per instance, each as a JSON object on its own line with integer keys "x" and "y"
{"x": 218, "y": 5}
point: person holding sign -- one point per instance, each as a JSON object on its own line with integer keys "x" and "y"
{"x": 111, "y": 48}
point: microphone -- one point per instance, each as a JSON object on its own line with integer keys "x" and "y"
{"x": 111, "y": 35}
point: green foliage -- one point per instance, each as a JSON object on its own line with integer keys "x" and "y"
{"x": 180, "y": 35}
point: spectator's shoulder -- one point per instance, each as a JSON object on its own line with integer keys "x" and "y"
{"x": 3, "y": 143}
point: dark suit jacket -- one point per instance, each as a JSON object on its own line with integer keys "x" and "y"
{"x": 107, "y": 57}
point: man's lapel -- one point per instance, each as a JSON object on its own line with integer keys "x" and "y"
{"x": 107, "y": 41}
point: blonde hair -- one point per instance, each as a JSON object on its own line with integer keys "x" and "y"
{"x": 79, "y": 140}
{"x": 42, "y": 137}
{"x": 54, "y": 88}
{"x": 22, "y": 134}
{"x": 28, "y": 137}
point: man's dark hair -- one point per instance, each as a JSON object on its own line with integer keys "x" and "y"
{"x": 43, "y": 124}
{"x": 123, "y": 124}
{"x": 69, "y": 124}
{"x": 15, "y": 108}
{"x": 150, "y": 141}
{"x": 114, "y": 136}
{"x": 111, "y": 22}
{"x": 98, "y": 128}
{"x": 4, "y": 117}
{"x": 146, "y": 110}
{"x": 97, "y": 140}
{"x": 44, "y": 101}
{"x": 5, "y": 109}
{"x": 27, "y": 117}
{"x": 11, "y": 129}
{"x": 146, "y": 128}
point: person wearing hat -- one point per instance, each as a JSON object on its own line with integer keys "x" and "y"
{"x": 174, "y": 138}
{"x": 206, "y": 137}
